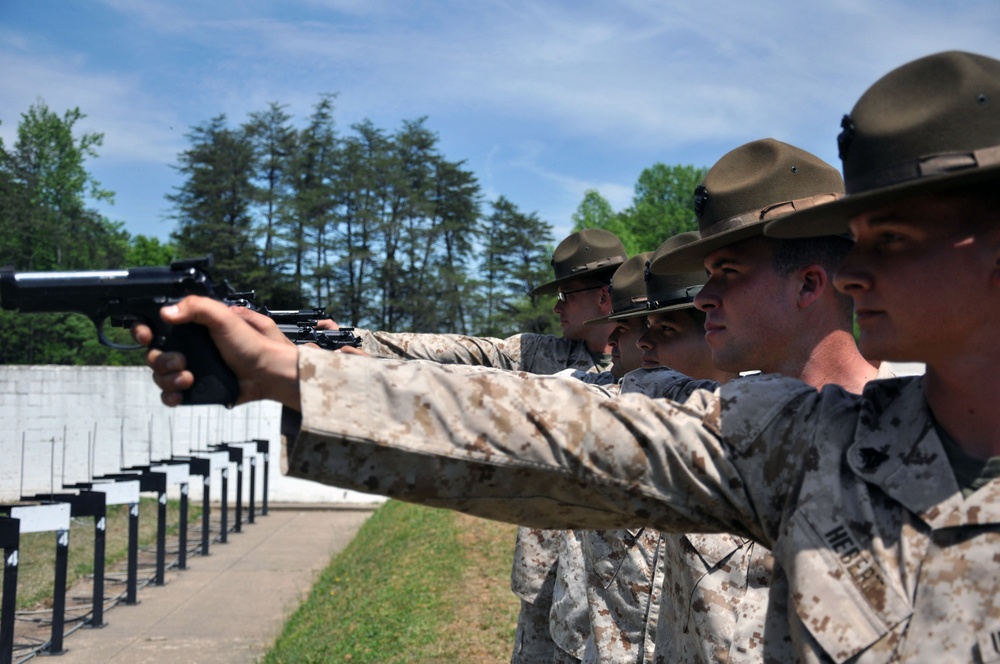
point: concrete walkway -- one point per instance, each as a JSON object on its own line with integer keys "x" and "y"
{"x": 227, "y": 607}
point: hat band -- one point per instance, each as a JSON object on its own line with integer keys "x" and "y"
{"x": 636, "y": 303}
{"x": 940, "y": 164}
{"x": 596, "y": 264}
{"x": 769, "y": 212}
{"x": 682, "y": 295}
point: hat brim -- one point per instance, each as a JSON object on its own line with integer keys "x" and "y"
{"x": 691, "y": 257}
{"x": 552, "y": 287}
{"x": 832, "y": 218}
{"x": 658, "y": 310}
{"x": 612, "y": 317}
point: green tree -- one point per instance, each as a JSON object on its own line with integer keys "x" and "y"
{"x": 663, "y": 206}
{"x": 45, "y": 224}
{"x": 594, "y": 211}
{"x": 273, "y": 139}
{"x": 306, "y": 223}
{"x": 146, "y": 251}
{"x": 359, "y": 203}
{"x": 455, "y": 200}
{"x": 213, "y": 205}
{"x": 44, "y": 182}
{"x": 516, "y": 253}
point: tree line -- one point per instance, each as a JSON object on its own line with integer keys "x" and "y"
{"x": 378, "y": 227}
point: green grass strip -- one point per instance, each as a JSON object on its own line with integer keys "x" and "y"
{"x": 384, "y": 598}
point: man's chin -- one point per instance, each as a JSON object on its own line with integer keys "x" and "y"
{"x": 724, "y": 359}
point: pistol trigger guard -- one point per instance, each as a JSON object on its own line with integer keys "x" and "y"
{"x": 99, "y": 324}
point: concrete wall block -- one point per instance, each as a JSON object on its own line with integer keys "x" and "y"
{"x": 77, "y": 422}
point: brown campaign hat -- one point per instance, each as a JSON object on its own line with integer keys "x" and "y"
{"x": 628, "y": 290}
{"x": 753, "y": 184}
{"x": 669, "y": 292}
{"x": 591, "y": 253}
{"x": 931, "y": 125}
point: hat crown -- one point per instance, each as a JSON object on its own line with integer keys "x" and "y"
{"x": 672, "y": 290}
{"x": 628, "y": 284}
{"x": 759, "y": 181}
{"x": 587, "y": 250}
{"x": 589, "y": 253}
{"x": 927, "y": 117}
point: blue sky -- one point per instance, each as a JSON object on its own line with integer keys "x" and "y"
{"x": 542, "y": 99}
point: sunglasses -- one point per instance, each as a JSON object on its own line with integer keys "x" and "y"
{"x": 561, "y": 295}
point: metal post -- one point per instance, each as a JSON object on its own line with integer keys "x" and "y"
{"x": 264, "y": 447}
{"x": 10, "y": 535}
{"x": 59, "y": 593}
{"x": 132, "y": 578}
{"x": 182, "y": 535}
{"x": 239, "y": 491}
{"x": 100, "y": 537}
{"x": 206, "y": 512}
{"x": 224, "y": 527}
{"x": 253, "y": 486}
{"x": 161, "y": 537}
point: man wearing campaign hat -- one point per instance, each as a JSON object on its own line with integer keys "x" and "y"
{"x": 628, "y": 296}
{"x": 569, "y": 619}
{"x": 882, "y": 509}
{"x": 550, "y": 627}
{"x": 770, "y": 305}
{"x": 628, "y": 574}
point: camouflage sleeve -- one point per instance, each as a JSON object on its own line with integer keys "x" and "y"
{"x": 443, "y": 348}
{"x": 548, "y": 452}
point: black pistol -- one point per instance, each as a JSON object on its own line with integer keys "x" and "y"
{"x": 299, "y": 326}
{"x": 124, "y": 297}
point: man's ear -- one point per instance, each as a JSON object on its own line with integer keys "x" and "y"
{"x": 813, "y": 282}
{"x": 604, "y": 300}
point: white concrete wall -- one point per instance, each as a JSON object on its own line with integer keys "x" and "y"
{"x": 62, "y": 425}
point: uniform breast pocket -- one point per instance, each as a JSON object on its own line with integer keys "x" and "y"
{"x": 610, "y": 550}
{"x": 714, "y": 548}
{"x": 839, "y": 590}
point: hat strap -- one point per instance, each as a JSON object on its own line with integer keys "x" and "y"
{"x": 764, "y": 214}
{"x": 939, "y": 164}
{"x": 668, "y": 299}
{"x": 593, "y": 265}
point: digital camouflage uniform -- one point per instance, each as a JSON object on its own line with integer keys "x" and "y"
{"x": 569, "y": 619}
{"x": 668, "y": 597}
{"x": 624, "y": 591}
{"x": 877, "y": 557}
{"x": 536, "y": 551}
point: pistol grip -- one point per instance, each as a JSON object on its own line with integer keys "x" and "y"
{"x": 214, "y": 382}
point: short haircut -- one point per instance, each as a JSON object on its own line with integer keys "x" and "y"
{"x": 826, "y": 251}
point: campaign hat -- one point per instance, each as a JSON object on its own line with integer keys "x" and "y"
{"x": 668, "y": 292}
{"x": 749, "y": 186}
{"x": 673, "y": 291}
{"x": 928, "y": 126}
{"x": 627, "y": 290}
{"x": 591, "y": 253}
